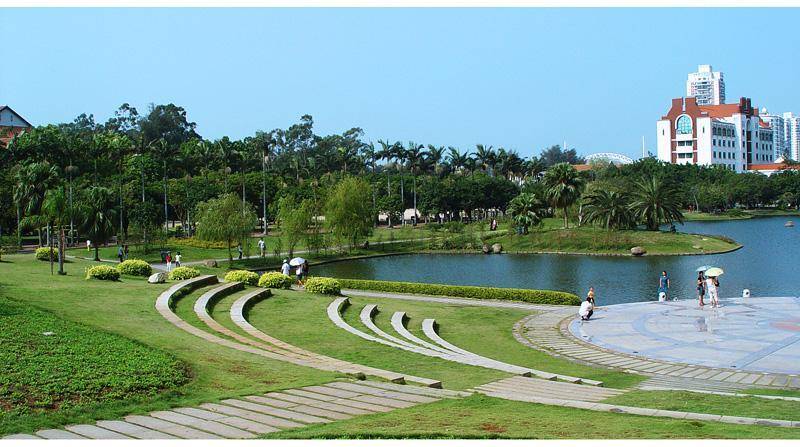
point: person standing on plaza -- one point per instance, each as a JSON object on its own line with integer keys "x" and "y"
{"x": 701, "y": 288}
{"x": 711, "y": 289}
{"x": 663, "y": 285}
{"x": 168, "y": 258}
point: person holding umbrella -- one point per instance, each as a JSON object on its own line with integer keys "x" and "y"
{"x": 299, "y": 264}
{"x": 701, "y": 283}
{"x": 712, "y": 285}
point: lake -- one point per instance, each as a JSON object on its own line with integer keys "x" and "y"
{"x": 768, "y": 265}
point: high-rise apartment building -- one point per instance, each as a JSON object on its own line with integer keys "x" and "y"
{"x": 707, "y": 86}
{"x": 791, "y": 135}
{"x": 778, "y": 137}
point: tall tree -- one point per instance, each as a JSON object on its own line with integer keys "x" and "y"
{"x": 97, "y": 214}
{"x": 222, "y": 220}
{"x": 656, "y": 202}
{"x": 564, "y": 187}
{"x": 609, "y": 209}
{"x": 347, "y": 210}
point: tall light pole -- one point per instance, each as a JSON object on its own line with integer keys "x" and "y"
{"x": 71, "y": 169}
{"x": 264, "y": 161}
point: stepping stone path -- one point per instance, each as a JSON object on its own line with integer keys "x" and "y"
{"x": 252, "y": 416}
{"x": 526, "y": 389}
{"x": 548, "y": 331}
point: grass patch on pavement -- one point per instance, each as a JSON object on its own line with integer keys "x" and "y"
{"x": 485, "y": 417}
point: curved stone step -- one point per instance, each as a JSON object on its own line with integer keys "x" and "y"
{"x": 398, "y": 320}
{"x": 237, "y": 316}
{"x": 429, "y": 328}
{"x": 367, "y": 315}
{"x": 334, "y": 314}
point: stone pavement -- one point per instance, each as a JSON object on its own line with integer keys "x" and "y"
{"x": 252, "y": 416}
{"x": 550, "y": 332}
{"x": 584, "y": 397}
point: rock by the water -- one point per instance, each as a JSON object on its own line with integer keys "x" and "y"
{"x": 497, "y": 248}
{"x": 638, "y": 251}
{"x": 157, "y": 278}
{"x": 788, "y": 224}
{"x": 486, "y": 249}
{"x": 211, "y": 263}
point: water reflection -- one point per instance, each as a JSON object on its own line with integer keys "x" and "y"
{"x": 767, "y": 265}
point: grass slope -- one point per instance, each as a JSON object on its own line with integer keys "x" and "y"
{"x": 589, "y": 240}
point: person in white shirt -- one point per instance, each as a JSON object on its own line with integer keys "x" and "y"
{"x": 178, "y": 257}
{"x": 286, "y": 269}
{"x": 711, "y": 290}
{"x": 261, "y": 246}
{"x": 586, "y": 310}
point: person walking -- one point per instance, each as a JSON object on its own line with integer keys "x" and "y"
{"x": 286, "y": 269}
{"x": 701, "y": 288}
{"x": 168, "y": 258}
{"x": 178, "y": 257}
{"x": 262, "y": 247}
{"x": 711, "y": 289}
{"x": 239, "y": 249}
{"x": 586, "y": 310}
{"x": 299, "y": 272}
{"x": 120, "y": 253}
{"x": 126, "y": 251}
{"x": 663, "y": 286}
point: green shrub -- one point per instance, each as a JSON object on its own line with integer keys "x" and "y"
{"x": 182, "y": 273}
{"x": 196, "y": 243}
{"x": 44, "y": 253}
{"x": 135, "y": 267}
{"x": 275, "y": 280}
{"x": 103, "y": 272}
{"x": 245, "y": 276}
{"x": 484, "y": 293}
{"x": 322, "y": 285}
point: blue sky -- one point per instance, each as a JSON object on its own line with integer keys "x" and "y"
{"x": 518, "y": 78}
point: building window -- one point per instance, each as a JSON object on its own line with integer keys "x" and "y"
{"x": 684, "y": 125}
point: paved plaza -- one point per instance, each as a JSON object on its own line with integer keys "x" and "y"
{"x": 752, "y": 334}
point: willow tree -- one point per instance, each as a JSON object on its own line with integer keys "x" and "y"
{"x": 225, "y": 219}
{"x": 348, "y": 213}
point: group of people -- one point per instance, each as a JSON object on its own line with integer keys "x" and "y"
{"x": 168, "y": 260}
{"x": 122, "y": 250}
{"x": 587, "y": 307}
{"x": 301, "y": 271}
{"x": 707, "y": 285}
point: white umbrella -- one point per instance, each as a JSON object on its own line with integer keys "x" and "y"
{"x": 297, "y": 261}
{"x": 703, "y": 268}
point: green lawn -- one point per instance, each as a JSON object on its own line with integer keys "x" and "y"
{"x": 709, "y": 403}
{"x": 485, "y": 417}
{"x": 127, "y": 308}
{"x": 553, "y": 237}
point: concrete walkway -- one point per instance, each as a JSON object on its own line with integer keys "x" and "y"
{"x": 252, "y": 416}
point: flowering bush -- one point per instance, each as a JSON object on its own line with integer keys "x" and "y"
{"x": 325, "y": 286}
{"x": 44, "y": 253}
{"x": 103, "y": 272}
{"x": 275, "y": 280}
{"x": 135, "y": 267}
{"x": 245, "y": 276}
{"x": 182, "y": 273}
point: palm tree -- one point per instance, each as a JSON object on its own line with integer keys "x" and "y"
{"x": 610, "y": 209}
{"x": 656, "y": 202}
{"x": 485, "y": 157}
{"x": 98, "y": 214}
{"x": 414, "y": 155}
{"x": 165, "y": 153}
{"x": 434, "y": 157}
{"x": 387, "y": 153}
{"x": 526, "y": 210}
{"x": 564, "y": 186}
{"x": 32, "y": 182}
{"x": 56, "y": 210}
{"x": 458, "y": 161}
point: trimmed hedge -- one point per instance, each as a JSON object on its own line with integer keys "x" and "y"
{"x": 43, "y": 253}
{"x": 135, "y": 267}
{"x": 275, "y": 280}
{"x": 322, "y": 285}
{"x": 102, "y": 272}
{"x": 183, "y": 273}
{"x": 245, "y": 276}
{"x": 482, "y": 293}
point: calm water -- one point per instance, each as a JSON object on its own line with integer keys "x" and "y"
{"x": 767, "y": 265}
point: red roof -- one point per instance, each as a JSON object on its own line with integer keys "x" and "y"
{"x": 763, "y": 124}
{"x": 773, "y": 167}
{"x": 720, "y": 111}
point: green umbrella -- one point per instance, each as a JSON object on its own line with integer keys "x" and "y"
{"x": 714, "y": 271}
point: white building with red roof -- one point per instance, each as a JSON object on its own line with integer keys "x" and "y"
{"x": 729, "y": 135}
{"x": 11, "y": 124}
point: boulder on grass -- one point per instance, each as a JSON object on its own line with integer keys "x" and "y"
{"x": 497, "y": 248}
{"x": 157, "y": 278}
{"x": 638, "y": 251}
{"x": 211, "y": 263}
{"x": 486, "y": 250}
